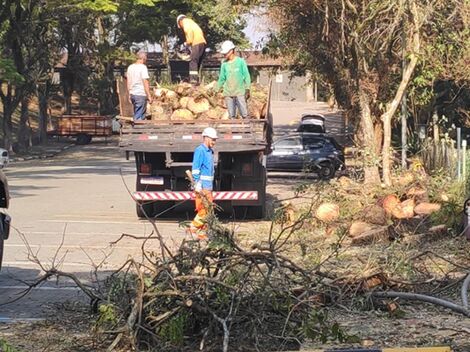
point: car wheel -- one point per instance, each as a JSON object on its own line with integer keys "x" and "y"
{"x": 327, "y": 171}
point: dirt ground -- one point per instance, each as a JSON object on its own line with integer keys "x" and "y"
{"x": 69, "y": 326}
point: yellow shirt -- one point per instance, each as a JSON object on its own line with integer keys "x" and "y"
{"x": 192, "y": 32}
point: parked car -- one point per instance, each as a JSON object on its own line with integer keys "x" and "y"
{"x": 313, "y": 123}
{"x": 4, "y": 158}
{"x": 309, "y": 152}
{"x": 4, "y": 218}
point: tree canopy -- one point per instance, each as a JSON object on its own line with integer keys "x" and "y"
{"x": 93, "y": 34}
{"x": 370, "y": 52}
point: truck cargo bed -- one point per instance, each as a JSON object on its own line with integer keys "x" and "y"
{"x": 234, "y": 135}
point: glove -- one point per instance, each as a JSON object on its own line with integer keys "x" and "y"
{"x": 247, "y": 94}
{"x": 198, "y": 186}
{"x": 184, "y": 49}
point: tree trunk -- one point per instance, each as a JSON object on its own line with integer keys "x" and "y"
{"x": 166, "y": 56}
{"x": 7, "y": 127}
{"x": 10, "y": 103}
{"x": 22, "y": 136}
{"x": 392, "y": 108}
{"x": 67, "y": 79}
{"x": 43, "y": 96}
{"x": 371, "y": 169}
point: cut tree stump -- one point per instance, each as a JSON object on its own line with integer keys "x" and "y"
{"x": 380, "y": 234}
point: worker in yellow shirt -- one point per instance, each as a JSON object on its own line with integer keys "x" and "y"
{"x": 194, "y": 38}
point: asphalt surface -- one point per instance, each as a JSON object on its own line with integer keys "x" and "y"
{"x": 68, "y": 210}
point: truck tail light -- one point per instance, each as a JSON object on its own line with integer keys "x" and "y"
{"x": 145, "y": 169}
{"x": 247, "y": 169}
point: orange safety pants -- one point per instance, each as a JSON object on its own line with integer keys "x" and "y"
{"x": 204, "y": 202}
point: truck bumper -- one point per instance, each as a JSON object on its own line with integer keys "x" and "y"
{"x": 245, "y": 196}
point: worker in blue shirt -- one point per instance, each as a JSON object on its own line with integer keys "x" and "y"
{"x": 203, "y": 176}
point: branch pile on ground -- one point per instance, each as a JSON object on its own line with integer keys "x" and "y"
{"x": 217, "y": 297}
{"x": 188, "y": 102}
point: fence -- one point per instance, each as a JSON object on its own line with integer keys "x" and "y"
{"x": 445, "y": 154}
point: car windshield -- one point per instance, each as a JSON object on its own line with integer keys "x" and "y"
{"x": 293, "y": 142}
{"x": 313, "y": 142}
{"x": 311, "y": 128}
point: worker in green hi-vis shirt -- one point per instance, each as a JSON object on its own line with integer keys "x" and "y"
{"x": 235, "y": 80}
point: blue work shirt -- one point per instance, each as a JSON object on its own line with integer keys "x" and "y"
{"x": 203, "y": 166}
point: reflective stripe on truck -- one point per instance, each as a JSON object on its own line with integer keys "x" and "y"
{"x": 165, "y": 196}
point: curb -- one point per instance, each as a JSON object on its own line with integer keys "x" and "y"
{"x": 46, "y": 155}
{"x": 400, "y": 349}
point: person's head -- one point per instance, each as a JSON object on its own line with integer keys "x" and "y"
{"x": 141, "y": 57}
{"x": 228, "y": 49}
{"x": 210, "y": 136}
{"x": 179, "y": 20}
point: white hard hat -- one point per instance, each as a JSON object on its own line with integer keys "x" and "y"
{"x": 178, "y": 19}
{"x": 226, "y": 47}
{"x": 210, "y": 132}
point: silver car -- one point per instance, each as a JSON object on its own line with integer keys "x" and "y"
{"x": 4, "y": 158}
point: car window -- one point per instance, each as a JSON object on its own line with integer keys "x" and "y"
{"x": 313, "y": 142}
{"x": 288, "y": 143}
{"x": 311, "y": 128}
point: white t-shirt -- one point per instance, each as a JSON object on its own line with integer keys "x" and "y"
{"x": 136, "y": 73}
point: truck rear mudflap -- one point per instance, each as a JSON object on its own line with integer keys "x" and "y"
{"x": 182, "y": 196}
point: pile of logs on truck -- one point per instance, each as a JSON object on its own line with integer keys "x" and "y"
{"x": 163, "y": 146}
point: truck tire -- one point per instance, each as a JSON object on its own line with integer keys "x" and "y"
{"x": 249, "y": 212}
{"x": 160, "y": 207}
{"x": 83, "y": 139}
{"x": 143, "y": 209}
{"x": 256, "y": 212}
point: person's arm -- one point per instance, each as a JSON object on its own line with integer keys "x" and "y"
{"x": 145, "y": 78}
{"x": 196, "y": 169}
{"x": 189, "y": 34}
{"x": 128, "y": 84}
{"x": 246, "y": 79}
{"x": 222, "y": 77}
{"x": 246, "y": 75}
{"x": 147, "y": 91}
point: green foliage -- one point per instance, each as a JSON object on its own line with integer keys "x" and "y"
{"x": 9, "y": 73}
{"x": 456, "y": 191}
{"x": 108, "y": 316}
{"x": 317, "y": 328}
{"x": 106, "y": 6}
{"x": 173, "y": 331}
{"x": 6, "y": 347}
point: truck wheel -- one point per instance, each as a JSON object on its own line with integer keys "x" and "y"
{"x": 257, "y": 212}
{"x": 160, "y": 207}
{"x": 249, "y": 212}
{"x": 83, "y": 139}
{"x": 327, "y": 171}
{"x": 143, "y": 209}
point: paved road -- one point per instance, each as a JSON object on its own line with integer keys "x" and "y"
{"x": 79, "y": 199}
{"x": 78, "y": 203}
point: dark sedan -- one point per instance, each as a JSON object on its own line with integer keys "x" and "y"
{"x": 308, "y": 152}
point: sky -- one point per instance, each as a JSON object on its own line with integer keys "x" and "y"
{"x": 256, "y": 30}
